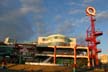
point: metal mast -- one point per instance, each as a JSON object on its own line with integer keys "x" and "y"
{"x": 91, "y": 36}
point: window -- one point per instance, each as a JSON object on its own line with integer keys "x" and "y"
{"x": 44, "y": 39}
{"x": 55, "y": 37}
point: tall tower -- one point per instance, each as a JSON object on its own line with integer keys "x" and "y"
{"x": 91, "y": 36}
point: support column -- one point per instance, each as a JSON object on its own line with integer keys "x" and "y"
{"x": 74, "y": 68}
{"x": 54, "y": 54}
{"x": 88, "y": 52}
{"x": 75, "y": 55}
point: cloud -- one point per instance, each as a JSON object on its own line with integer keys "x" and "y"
{"x": 3, "y": 2}
{"x": 20, "y": 22}
{"x": 25, "y": 20}
{"x": 88, "y": 1}
{"x": 76, "y": 4}
{"x": 102, "y": 15}
{"x": 58, "y": 17}
{"x": 32, "y": 6}
{"x": 16, "y": 26}
{"x": 75, "y": 11}
{"x": 13, "y": 14}
{"x": 71, "y": 28}
{"x": 83, "y": 3}
{"x": 66, "y": 27}
{"x": 37, "y": 9}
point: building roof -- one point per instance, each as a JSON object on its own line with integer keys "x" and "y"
{"x": 60, "y": 35}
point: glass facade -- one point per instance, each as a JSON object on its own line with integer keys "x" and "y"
{"x": 5, "y": 50}
{"x": 58, "y": 40}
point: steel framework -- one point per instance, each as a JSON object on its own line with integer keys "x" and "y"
{"x": 91, "y": 38}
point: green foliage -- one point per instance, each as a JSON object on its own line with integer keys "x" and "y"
{"x": 81, "y": 63}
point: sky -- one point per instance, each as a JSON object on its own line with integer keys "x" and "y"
{"x": 26, "y": 20}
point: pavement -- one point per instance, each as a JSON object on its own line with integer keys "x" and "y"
{"x": 34, "y": 68}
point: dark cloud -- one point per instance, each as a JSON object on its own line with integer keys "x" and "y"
{"x": 18, "y": 28}
{"x": 15, "y": 21}
{"x": 23, "y": 20}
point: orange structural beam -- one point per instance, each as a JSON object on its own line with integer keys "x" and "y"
{"x": 75, "y": 56}
{"x": 54, "y": 54}
{"x": 88, "y": 51}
